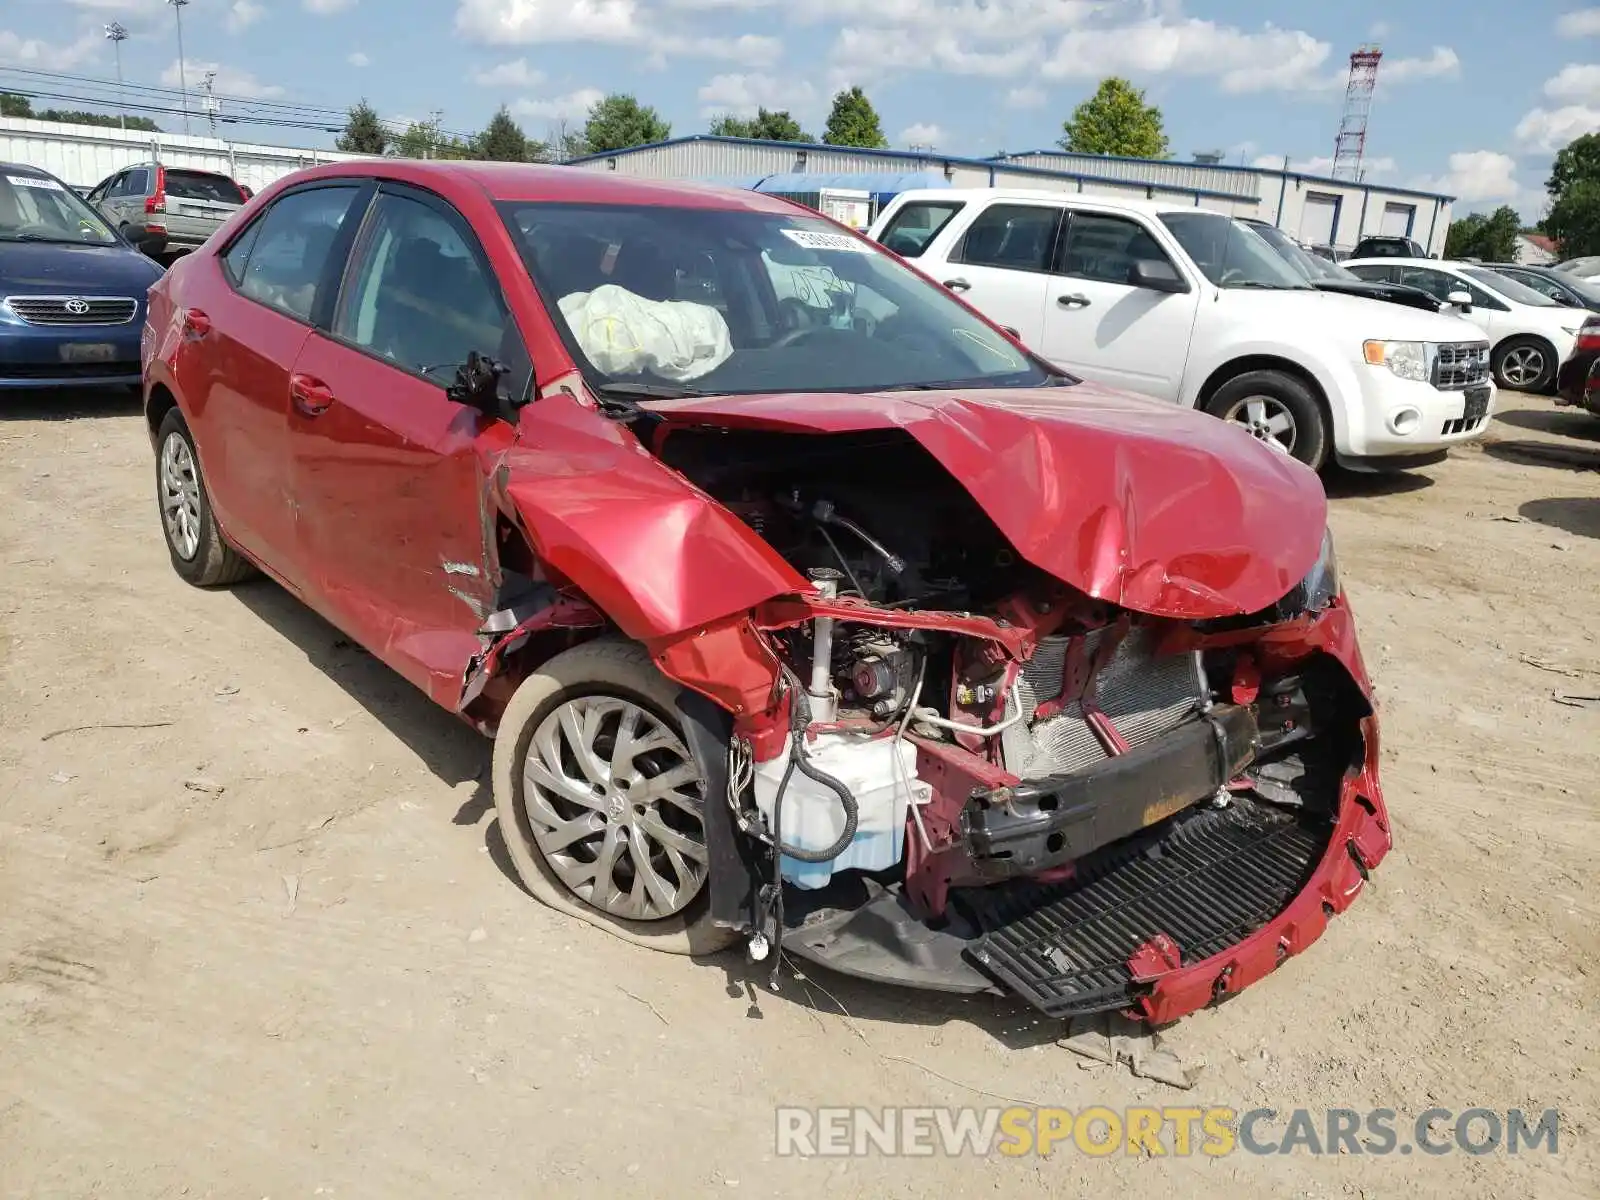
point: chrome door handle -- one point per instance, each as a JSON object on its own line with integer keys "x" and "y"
{"x": 1075, "y": 300}
{"x": 957, "y": 285}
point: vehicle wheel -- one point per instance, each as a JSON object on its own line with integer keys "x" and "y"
{"x": 199, "y": 552}
{"x": 1277, "y": 409}
{"x": 1524, "y": 364}
{"x": 600, "y": 798}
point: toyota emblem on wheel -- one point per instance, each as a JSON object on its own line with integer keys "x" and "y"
{"x": 77, "y": 307}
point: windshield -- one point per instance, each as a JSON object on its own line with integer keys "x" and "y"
{"x": 1308, "y": 264}
{"x": 1230, "y": 254}
{"x": 202, "y": 185}
{"x": 1509, "y": 288}
{"x": 667, "y": 301}
{"x": 34, "y": 208}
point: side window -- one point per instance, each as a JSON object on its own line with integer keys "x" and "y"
{"x": 1436, "y": 283}
{"x": 238, "y": 255}
{"x": 115, "y": 185}
{"x": 917, "y": 224}
{"x": 420, "y": 295}
{"x": 290, "y": 255}
{"x": 1373, "y": 272}
{"x": 1104, "y": 248}
{"x": 99, "y": 191}
{"x": 1014, "y": 236}
{"x": 136, "y": 183}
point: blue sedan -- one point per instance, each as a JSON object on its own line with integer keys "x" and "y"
{"x": 72, "y": 292}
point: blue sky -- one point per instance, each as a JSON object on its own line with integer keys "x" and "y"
{"x": 1470, "y": 99}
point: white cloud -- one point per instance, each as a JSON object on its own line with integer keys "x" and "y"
{"x": 242, "y": 14}
{"x": 1583, "y": 22}
{"x": 1476, "y": 175}
{"x": 18, "y": 51}
{"x": 996, "y": 20}
{"x": 109, "y": 6}
{"x": 516, "y": 73}
{"x": 1575, "y": 84}
{"x": 719, "y": 5}
{"x": 1546, "y": 131}
{"x": 524, "y": 22}
{"x": 358, "y": 59}
{"x": 324, "y": 8}
{"x": 1026, "y": 96}
{"x": 742, "y": 94}
{"x": 229, "y": 82}
{"x": 750, "y": 50}
{"x": 871, "y": 53}
{"x": 1272, "y": 59}
{"x": 1442, "y": 63}
{"x": 922, "y": 135}
{"x": 571, "y": 107}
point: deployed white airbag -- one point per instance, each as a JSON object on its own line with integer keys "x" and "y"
{"x": 624, "y": 334}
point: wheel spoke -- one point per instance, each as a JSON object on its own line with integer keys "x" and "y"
{"x": 1280, "y": 422}
{"x": 574, "y": 790}
{"x": 563, "y": 834}
{"x": 579, "y": 729}
{"x": 671, "y": 839}
{"x": 661, "y": 787}
{"x": 1256, "y": 410}
{"x": 662, "y": 892}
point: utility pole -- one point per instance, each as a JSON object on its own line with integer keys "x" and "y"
{"x": 435, "y": 137}
{"x": 183, "y": 82}
{"x": 210, "y": 103}
{"x": 116, "y": 34}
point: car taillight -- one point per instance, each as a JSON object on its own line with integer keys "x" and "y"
{"x": 1589, "y": 335}
{"x": 157, "y": 201}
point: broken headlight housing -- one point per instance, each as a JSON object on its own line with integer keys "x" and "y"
{"x": 1321, "y": 584}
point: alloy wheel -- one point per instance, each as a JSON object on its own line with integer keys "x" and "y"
{"x": 615, "y": 801}
{"x": 1267, "y": 420}
{"x": 180, "y": 496}
{"x": 1522, "y": 366}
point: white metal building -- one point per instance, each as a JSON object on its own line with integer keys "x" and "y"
{"x": 1326, "y": 212}
{"x": 83, "y": 155}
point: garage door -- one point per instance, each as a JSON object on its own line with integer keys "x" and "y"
{"x": 1397, "y": 219}
{"x": 1318, "y": 219}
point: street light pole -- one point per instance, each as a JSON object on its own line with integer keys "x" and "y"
{"x": 117, "y": 34}
{"x": 183, "y": 82}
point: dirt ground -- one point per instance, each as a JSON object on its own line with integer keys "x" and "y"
{"x": 268, "y": 946}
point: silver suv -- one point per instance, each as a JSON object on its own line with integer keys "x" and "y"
{"x": 167, "y": 210}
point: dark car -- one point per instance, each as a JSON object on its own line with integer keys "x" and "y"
{"x": 848, "y": 627}
{"x": 1328, "y": 276}
{"x": 1561, "y": 286}
{"x": 1386, "y": 246}
{"x": 72, "y": 292}
{"x": 1578, "y": 383}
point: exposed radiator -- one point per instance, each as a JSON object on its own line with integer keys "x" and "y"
{"x": 1143, "y": 697}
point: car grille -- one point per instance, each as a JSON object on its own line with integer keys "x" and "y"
{"x": 1462, "y": 425}
{"x": 73, "y": 310}
{"x": 1207, "y": 881}
{"x": 1460, "y": 364}
{"x": 104, "y": 370}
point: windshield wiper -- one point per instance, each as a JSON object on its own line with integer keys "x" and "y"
{"x": 39, "y": 237}
{"x": 1262, "y": 285}
{"x": 649, "y": 391}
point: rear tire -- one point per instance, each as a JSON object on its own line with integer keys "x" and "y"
{"x": 1525, "y": 364}
{"x": 199, "y": 552}
{"x": 1276, "y": 408}
{"x": 565, "y": 816}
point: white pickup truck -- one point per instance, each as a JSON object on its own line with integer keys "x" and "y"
{"x": 1191, "y": 306}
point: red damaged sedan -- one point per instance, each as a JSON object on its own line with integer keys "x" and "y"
{"x": 805, "y": 606}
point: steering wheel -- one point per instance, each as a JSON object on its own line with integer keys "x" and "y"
{"x": 795, "y": 335}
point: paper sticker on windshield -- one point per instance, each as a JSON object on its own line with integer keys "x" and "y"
{"x": 811, "y": 239}
{"x": 33, "y": 181}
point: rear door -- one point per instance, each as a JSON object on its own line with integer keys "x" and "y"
{"x": 385, "y": 468}
{"x": 198, "y": 202}
{"x": 1000, "y": 264}
{"x": 247, "y": 313}
{"x": 1098, "y": 325}
{"x": 1487, "y": 311}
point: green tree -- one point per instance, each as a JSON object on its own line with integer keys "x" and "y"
{"x": 1573, "y": 220}
{"x": 1491, "y": 237}
{"x": 502, "y": 140}
{"x": 13, "y": 105}
{"x": 363, "y": 131}
{"x": 424, "y": 139}
{"x": 770, "y": 126}
{"x": 619, "y": 121}
{"x": 1115, "y": 120}
{"x": 854, "y": 122}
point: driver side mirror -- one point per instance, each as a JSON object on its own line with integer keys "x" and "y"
{"x": 1460, "y": 299}
{"x": 1157, "y": 275}
{"x": 477, "y": 385}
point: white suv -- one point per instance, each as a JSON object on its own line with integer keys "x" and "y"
{"x": 1531, "y": 335}
{"x": 1193, "y": 307}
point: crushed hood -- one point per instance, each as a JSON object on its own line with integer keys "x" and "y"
{"x": 1155, "y": 508}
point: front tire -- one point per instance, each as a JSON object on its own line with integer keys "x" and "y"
{"x": 601, "y": 800}
{"x": 1276, "y": 408}
{"x": 199, "y": 553}
{"x": 1525, "y": 364}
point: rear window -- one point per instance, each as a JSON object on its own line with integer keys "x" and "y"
{"x": 202, "y": 185}
{"x": 917, "y": 224}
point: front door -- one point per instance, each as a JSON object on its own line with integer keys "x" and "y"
{"x": 1098, "y": 325}
{"x": 247, "y": 313}
{"x": 389, "y": 474}
{"x": 999, "y": 265}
